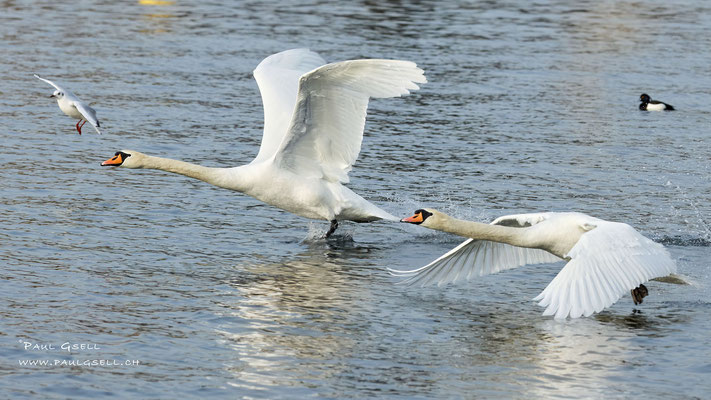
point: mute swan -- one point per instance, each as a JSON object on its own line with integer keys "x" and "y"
{"x": 605, "y": 259}
{"x": 653, "y": 105}
{"x": 73, "y": 107}
{"x": 314, "y": 116}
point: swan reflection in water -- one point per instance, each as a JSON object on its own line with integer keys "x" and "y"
{"x": 312, "y": 308}
{"x": 597, "y": 353}
{"x": 475, "y": 334}
{"x": 336, "y": 316}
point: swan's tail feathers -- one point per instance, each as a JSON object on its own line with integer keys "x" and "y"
{"x": 388, "y": 217}
{"x": 375, "y": 213}
{"x": 674, "y": 279}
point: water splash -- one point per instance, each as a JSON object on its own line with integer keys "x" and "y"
{"x": 316, "y": 235}
{"x": 701, "y": 222}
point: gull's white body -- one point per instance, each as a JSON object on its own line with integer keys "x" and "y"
{"x": 70, "y": 105}
{"x": 605, "y": 259}
{"x": 314, "y": 115}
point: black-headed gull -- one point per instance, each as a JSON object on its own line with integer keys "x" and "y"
{"x": 70, "y": 104}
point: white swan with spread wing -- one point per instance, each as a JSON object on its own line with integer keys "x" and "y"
{"x": 314, "y": 115}
{"x": 605, "y": 259}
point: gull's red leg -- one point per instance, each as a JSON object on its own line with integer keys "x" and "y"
{"x": 79, "y": 126}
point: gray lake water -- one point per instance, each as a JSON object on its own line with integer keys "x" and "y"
{"x": 189, "y": 290}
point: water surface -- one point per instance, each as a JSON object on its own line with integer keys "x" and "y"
{"x": 211, "y": 294}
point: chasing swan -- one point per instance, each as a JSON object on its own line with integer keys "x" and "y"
{"x": 73, "y": 107}
{"x": 314, "y": 116}
{"x": 605, "y": 259}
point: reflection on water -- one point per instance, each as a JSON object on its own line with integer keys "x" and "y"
{"x": 291, "y": 314}
{"x": 156, "y": 2}
{"x": 310, "y": 310}
{"x": 158, "y": 16}
{"x": 529, "y": 107}
{"x": 579, "y": 354}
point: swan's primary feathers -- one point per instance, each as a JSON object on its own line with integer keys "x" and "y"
{"x": 605, "y": 259}
{"x": 606, "y": 263}
{"x": 70, "y": 105}
{"x": 314, "y": 116}
{"x": 326, "y": 129}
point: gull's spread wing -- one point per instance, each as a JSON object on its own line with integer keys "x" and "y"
{"x": 51, "y": 83}
{"x": 88, "y": 113}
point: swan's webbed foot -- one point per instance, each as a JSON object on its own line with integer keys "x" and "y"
{"x": 639, "y": 293}
{"x": 334, "y": 225}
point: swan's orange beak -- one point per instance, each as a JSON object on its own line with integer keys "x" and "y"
{"x": 415, "y": 219}
{"x": 113, "y": 161}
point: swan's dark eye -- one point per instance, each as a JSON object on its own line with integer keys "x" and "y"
{"x": 117, "y": 159}
{"x": 424, "y": 213}
{"x": 419, "y": 217}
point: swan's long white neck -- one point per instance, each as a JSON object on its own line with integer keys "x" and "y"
{"x": 228, "y": 178}
{"x": 479, "y": 231}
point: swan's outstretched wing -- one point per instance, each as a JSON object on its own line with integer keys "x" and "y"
{"x": 326, "y": 129}
{"x": 88, "y": 113}
{"x": 480, "y": 257}
{"x": 606, "y": 263}
{"x": 474, "y": 258}
{"x": 278, "y": 80}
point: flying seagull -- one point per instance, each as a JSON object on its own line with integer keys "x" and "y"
{"x": 73, "y": 107}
